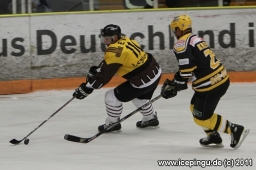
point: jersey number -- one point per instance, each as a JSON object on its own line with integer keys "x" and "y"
{"x": 134, "y": 48}
{"x": 131, "y": 46}
{"x": 213, "y": 64}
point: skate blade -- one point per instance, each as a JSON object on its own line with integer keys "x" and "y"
{"x": 213, "y": 146}
{"x": 244, "y": 135}
{"x": 114, "y": 131}
{"x": 149, "y": 127}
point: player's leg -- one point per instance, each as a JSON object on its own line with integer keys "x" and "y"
{"x": 149, "y": 115}
{"x": 139, "y": 96}
{"x": 113, "y": 100}
{"x": 114, "y": 108}
{"x": 203, "y": 106}
{"x": 204, "y": 116}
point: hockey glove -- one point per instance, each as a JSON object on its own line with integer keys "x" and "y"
{"x": 92, "y": 72}
{"x": 169, "y": 89}
{"x": 180, "y": 81}
{"x": 82, "y": 91}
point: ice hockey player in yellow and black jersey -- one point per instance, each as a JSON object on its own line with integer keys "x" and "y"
{"x": 125, "y": 58}
{"x": 210, "y": 81}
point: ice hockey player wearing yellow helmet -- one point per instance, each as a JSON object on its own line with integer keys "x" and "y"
{"x": 210, "y": 81}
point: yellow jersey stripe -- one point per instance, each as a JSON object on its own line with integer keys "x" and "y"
{"x": 188, "y": 70}
{"x": 208, "y": 76}
{"x": 212, "y": 87}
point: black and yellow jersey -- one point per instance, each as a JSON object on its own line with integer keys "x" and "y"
{"x": 126, "y": 59}
{"x": 198, "y": 62}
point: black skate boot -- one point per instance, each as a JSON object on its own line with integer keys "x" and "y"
{"x": 152, "y": 122}
{"x": 238, "y": 134}
{"x": 212, "y": 140}
{"x": 115, "y": 128}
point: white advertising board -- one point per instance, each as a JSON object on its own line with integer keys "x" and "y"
{"x": 14, "y": 48}
{"x": 67, "y": 45}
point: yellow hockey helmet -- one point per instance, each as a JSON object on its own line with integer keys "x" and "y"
{"x": 183, "y": 22}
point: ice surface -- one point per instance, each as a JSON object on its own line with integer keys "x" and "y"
{"x": 132, "y": 148}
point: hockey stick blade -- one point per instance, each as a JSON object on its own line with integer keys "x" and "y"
{"x": 15, "y": 142}
{"x": 76, "y": 139}
{"x": 73, "y": 138}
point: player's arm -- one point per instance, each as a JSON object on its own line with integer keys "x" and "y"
{"x": 97, "y": 77}
{"x": 101, "y": 75}
{"x": 181, "y": 77}
{"x": 171, "y": 87}
{"x": 187, "y": 66}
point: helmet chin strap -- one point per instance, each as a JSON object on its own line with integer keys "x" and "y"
{"x": 112, "y": 40}
{"x": 177, "y": 37}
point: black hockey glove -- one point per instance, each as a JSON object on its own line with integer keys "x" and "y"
{"x": 82, "y": 91}
{"x": 180, "y": 81}
{"x": 92, "y": 71}
{"x": 169, "y": 89}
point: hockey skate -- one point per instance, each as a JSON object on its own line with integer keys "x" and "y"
{"x": 238, "y": 134}
{"x": 212, "y": 140}
{"x": 152, "y": 122}
{"x": 117, "y": 127}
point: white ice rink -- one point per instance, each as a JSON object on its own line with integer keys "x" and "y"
{"x": 132, "y": 148}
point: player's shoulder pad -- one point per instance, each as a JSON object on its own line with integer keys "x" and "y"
{"x": 114, "y": 49}
{"x": 181, "y": 45}
{"x": 195, "y": 40}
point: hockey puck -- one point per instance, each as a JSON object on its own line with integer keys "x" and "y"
{"x": 26, "y": 141}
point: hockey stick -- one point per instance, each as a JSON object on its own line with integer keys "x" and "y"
{"x": 87, "y": 140}
{"x": 15, "y": 142}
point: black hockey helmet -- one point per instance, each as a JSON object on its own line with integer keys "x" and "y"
{"x": 111, "y": 30}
